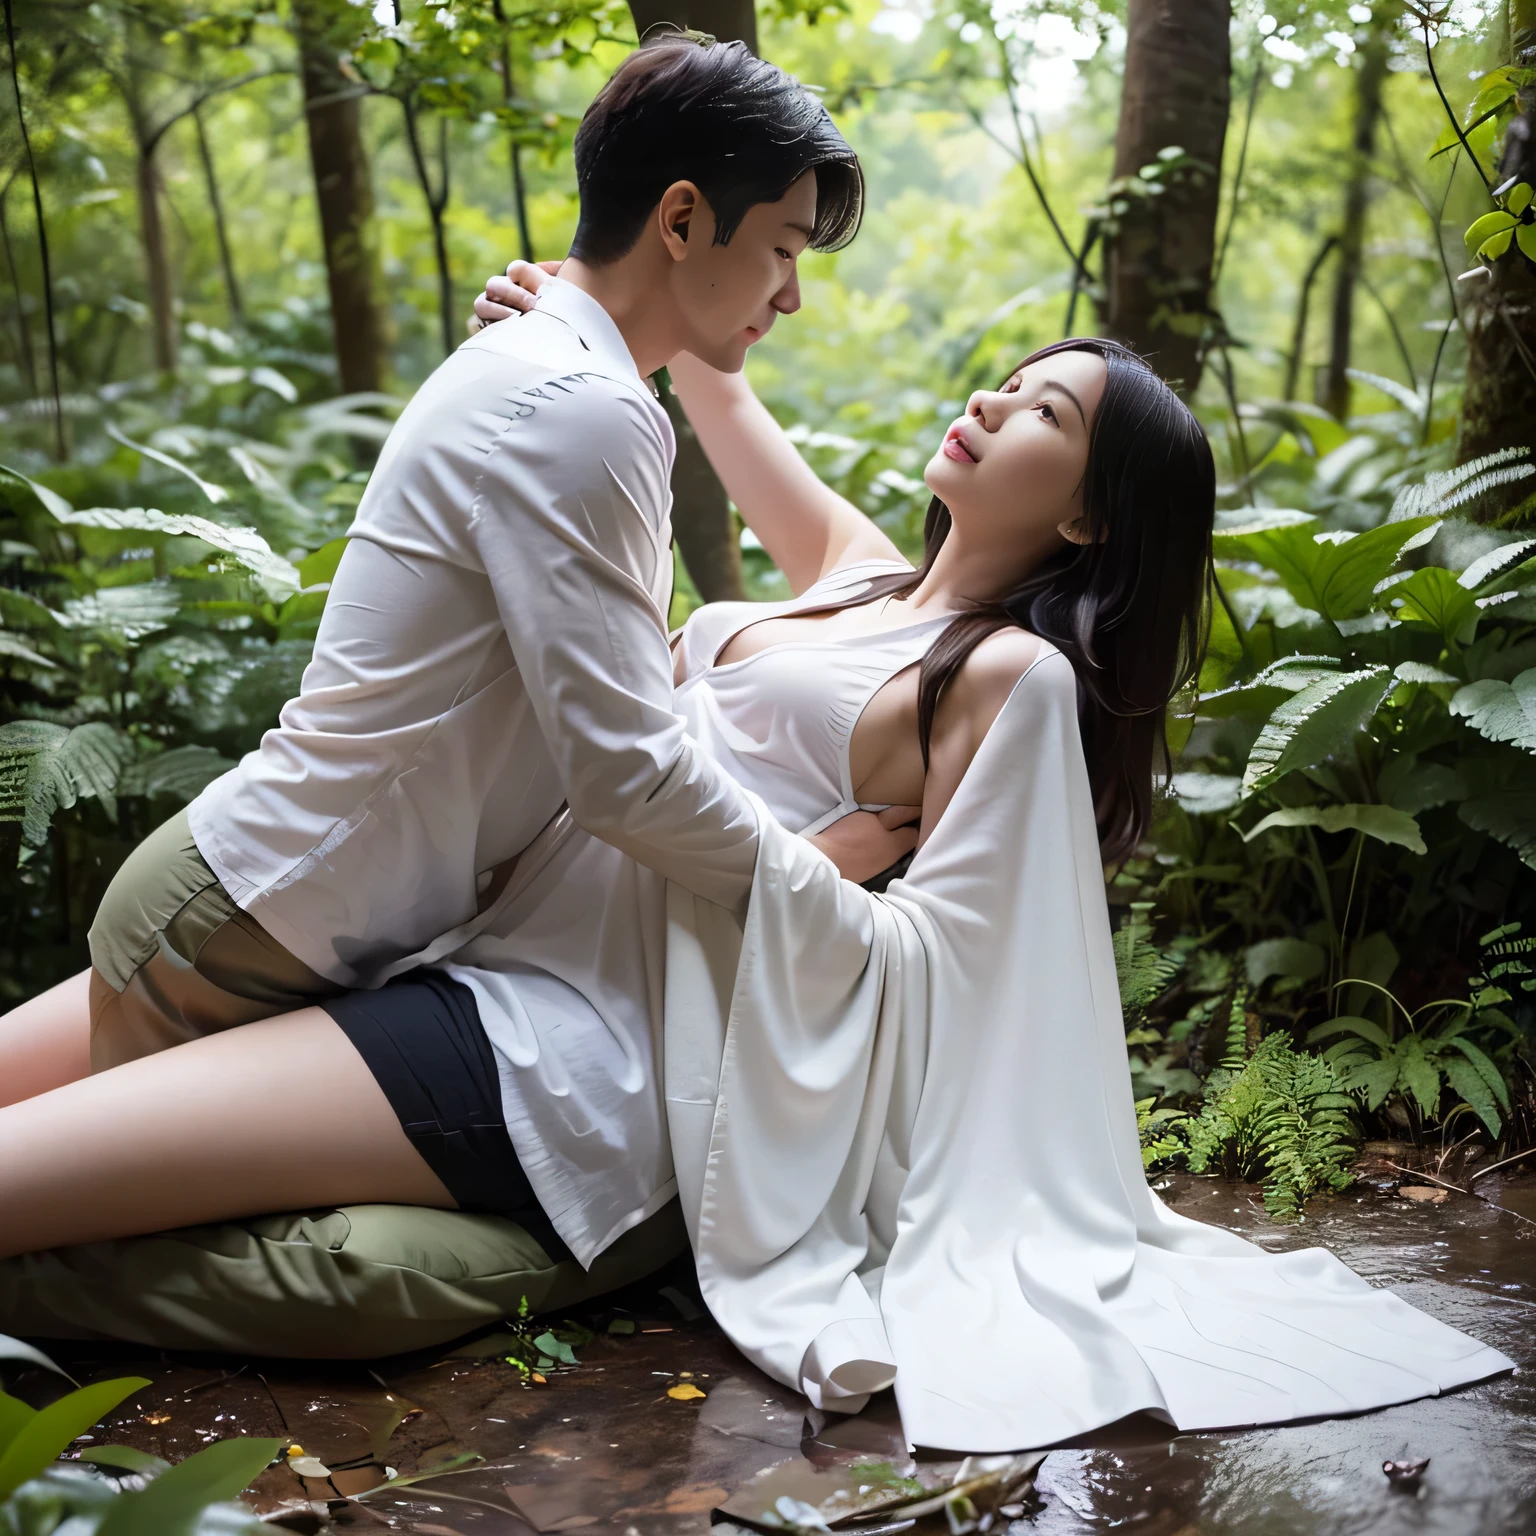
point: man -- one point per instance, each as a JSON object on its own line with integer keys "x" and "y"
{"x": 494, "y": 643}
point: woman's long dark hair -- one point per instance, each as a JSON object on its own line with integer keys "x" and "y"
{"x": 1128, "y": 609}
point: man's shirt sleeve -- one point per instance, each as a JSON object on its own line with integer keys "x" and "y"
{"x": 567, "y": 520}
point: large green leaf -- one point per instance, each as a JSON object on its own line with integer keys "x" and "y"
{"x": 277, "y": 577}
{"x": 183, "y": 772}
{"x": 46, "y": 768}
{"x": 125, "y": 1458}
{"x": 1508, "y": 815}
{"x": 1319, "y": 722}
{"x": 1283, "y": 957}
{"x": 18, "y": 1349}
{"x": 1351, "y": 1024}
{"x": 127, "y": 612}
{"x": 245, "y": 546}
{"x": 1485, "y": 1068}
{"x": 171, "y": 1505}
{"x": 214, "y": 493}
{"x": 1419, "y": 1076}
{"x": 50, "y": 1429}
{"x": 1501, "y": 711}
{"x": 1433, "y": 596}
{"x": 1497, "y": 564}
{"x": 1334, "y": 575}
{"x": 1375, "y": 1079}
{"x": 1262, "y": 693}
{"x": 1465, "y": 1081}
{"x": 1382, "y": 822}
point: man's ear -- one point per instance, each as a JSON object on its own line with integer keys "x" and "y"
{"x": 676, "y": 215}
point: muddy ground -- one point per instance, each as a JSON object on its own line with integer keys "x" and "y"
{"x": 607, "y": 1447}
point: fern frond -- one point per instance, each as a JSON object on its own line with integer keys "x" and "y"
{"x": 46, "y": 768}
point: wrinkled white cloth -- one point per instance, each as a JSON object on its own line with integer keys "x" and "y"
{"x": 906, "y": 1146}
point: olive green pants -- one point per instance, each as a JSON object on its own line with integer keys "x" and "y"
{"x": 173, "y": 958}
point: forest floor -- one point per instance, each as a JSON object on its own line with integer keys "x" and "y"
{"x": 603, "y": 1446}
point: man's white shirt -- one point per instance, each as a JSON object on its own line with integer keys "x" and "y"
{"x": 494, "y": 645}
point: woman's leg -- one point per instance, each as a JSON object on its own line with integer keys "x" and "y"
{"x": 273, "y": 1116}
{"x": 46, "y": 1042}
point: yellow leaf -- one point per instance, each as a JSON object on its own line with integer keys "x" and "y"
{"x": 686, "y": 1393}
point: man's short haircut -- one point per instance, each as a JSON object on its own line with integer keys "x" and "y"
{"x": 714, "y": 114}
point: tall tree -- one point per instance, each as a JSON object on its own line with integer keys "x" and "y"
{"x": 701, "y": 511}
{"x": 1370, "y": 77}
{"x": 1160, "y": 244}
{"x": 344, "y": 194}
{"x": 1499, "y": 312}
{"x": 42, "y": 240}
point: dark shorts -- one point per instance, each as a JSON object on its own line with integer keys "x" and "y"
{"x": 422, "y": 1039}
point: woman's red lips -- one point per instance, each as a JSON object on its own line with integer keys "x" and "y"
{"x": 955, "y": 446}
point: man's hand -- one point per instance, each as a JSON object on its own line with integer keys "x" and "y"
{"x": 512, "y": 294}
{"x": 866, "y": 843}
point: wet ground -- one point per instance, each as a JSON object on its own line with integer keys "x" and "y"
{"x": 656, "y": 1429}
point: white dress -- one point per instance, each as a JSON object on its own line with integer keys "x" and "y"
{"x": 906, "y": 1146}
{"x": 567, "y": 971}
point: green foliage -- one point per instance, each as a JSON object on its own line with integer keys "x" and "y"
{"x": 40, "y": 1495}
{"x": 1460, "y": 1046}
{"x": 1277, "y": 1115}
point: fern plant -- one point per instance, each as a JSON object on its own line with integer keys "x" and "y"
{"x": 1419, "y": 1055}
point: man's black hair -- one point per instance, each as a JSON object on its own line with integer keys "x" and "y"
{"x": 714, "y": 114}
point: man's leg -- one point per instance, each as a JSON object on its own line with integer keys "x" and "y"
{"x": 278, "y": 1115}
{"x": 46, "y": 1042}
{"x": 174, "y": 959}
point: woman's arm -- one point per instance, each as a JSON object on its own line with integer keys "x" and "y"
{"x": 806, "y": 527}
{"x": 967, "y": 708}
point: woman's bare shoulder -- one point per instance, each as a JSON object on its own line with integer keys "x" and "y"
{"x": 992, "y": 671}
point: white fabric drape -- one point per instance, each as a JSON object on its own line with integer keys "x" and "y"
{"x": 907, "y": 1152}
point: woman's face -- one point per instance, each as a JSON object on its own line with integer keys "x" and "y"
{"x": 1011, "y": 469}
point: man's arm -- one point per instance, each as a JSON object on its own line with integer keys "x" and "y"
{"x": 567, "y": 520}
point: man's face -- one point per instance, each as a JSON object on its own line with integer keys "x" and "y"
{"x": 730, "y": 295}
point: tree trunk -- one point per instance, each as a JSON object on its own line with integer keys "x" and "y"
{"x": 1370, "y": 77}
{"x": 515, "y": 155}
{"x": 1160, "y": 250}
{"x": 157, "y": 262}
{"x": 1299, "y": 328}
{"x": 701, "y": 511}
{"x": 437, "y": 202}
{"x": 25, "y": 357}
{"x": 1499, "y": 313}
{"x": 344, "y": 193}
{"x": 220, "y": 228}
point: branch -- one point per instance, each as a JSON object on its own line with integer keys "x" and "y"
{"x": 1237, "y": 178}
{"x": 1429, "y": 59}
{"x": 152, "y": 139}
{"x": 1024, "y": 160}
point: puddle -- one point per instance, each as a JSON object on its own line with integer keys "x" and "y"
{"x": 604, "y": 1448}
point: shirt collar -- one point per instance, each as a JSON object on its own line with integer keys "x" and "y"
{"x": 592, "y": 323}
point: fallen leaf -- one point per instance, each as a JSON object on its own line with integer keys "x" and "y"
{"x": 157, "y": 1418}
{"x": 1425, "y": 1194}
{"x": 309, "y": 1466}
{"x": 621, "y": 1325}
{"x": 686, "y": 1393}
{"x": 1405, "y": 1474}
